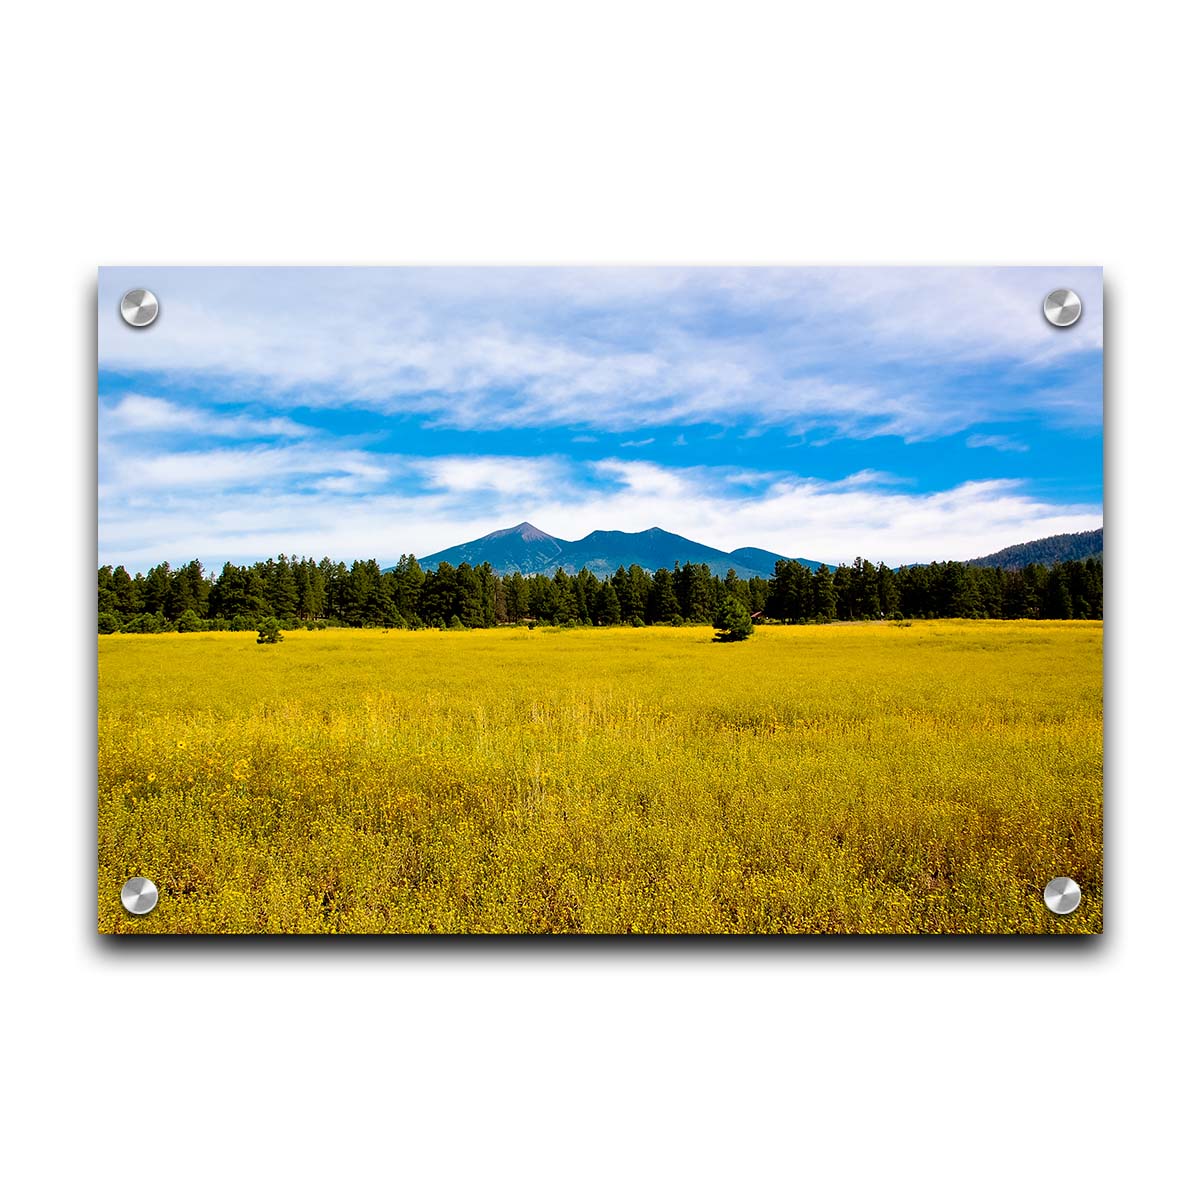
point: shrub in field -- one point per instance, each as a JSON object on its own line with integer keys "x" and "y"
{"x": 107, "y": 623}
{"x": 732, "y": 622}
{"x": 269, "y": 632}
{"x": 189, "y": 623}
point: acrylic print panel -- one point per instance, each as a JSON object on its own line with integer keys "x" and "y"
{"x": 621, "y": 601}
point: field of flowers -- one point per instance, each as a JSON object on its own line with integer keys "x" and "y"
{"x": 864, "y": 778}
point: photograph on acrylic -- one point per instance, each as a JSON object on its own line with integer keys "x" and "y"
{"x": 598, "y": 600}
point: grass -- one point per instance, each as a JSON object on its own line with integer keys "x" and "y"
{"x": 825, "y": 779}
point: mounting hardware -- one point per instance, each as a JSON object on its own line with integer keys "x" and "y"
{"x": 1062, "y": 895}
{"x": 139, "y": 307}
{"x": 1062, "y": 307}
{"x": 139, "y": 895}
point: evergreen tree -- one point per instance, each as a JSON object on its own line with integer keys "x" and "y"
{"x": 566, "y": 603}
{"x": 125, "y": 593}
{"x": 516, "y": 596}
{"x": 189, "y": 622}
{"x": 639, "y": 593}
{"x": 410, "y": 597}
{"x": 381, "y": 610}
{"x": 310, "y": 585}
{"x": 156, "y": 591}
{"x": 662, "y": 604}
{"x": 492, "y": 593}
{"x": 106, "y": 596}
{"x": 406, "y": 589}
{"x": 888, "y": 594}
{"x": 438, "y": 595}
{"x": 360, "y": 591}
{"x": 824, "y": 595}
{"x": 580, "y": 589}
{"x": 468, "y": 597}
{"x": 732, "y": 622}
{"x": 623, "y": 588}
{"x": 269, "y": 631}
{"x": 609, "y": 606}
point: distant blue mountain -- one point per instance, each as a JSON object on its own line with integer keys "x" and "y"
{"x": 1047, "y": 551}
{"x": 527, "y": 549}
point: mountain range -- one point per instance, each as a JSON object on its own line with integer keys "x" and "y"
{"x": 529, "y": 550}
{"x": 1047, "y": 551}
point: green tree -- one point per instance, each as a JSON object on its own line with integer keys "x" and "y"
{"x": 269, "y": 631}
{"x": 106, "y": 597}
{"x": 189, "y": 589}
{"x": 468, "y": 596}
{"x": 128, "y": 602}
{"x": 406, "y": 587}
{"x": 579, "y": 587}
{"x": 381, "y": 608}
{"x": 889, "y": 595}
{"x": 639, "y": 593}
{"x": 691, "y": 583}
{"x": 608, "y": 605}
{"x": 732, "y": 621}
{"x": 189, "y": 622}
{"x": 824, "y": 595}
{"x": 662, "y": 604}
{"x": 156, "y": 589}
{"x": 438, "y": 595}
{"x": 566, "y": 608}
{"x": 516, "y": 596}
{"x": 543, "y": 598}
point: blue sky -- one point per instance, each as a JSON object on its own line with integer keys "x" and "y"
{"x": 899, "y": 413}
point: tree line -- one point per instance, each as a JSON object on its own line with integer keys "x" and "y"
{"x": 296, "y": 591}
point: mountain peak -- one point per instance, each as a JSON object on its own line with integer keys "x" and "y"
{"x": 530, "y": 550}
{"x": 525, "y": 531}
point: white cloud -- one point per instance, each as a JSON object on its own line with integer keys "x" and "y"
{"x": 137, "y": 414}
{"x": 307, "y": 500}
{"x": 996, "y": 441}
{"x": 639, "y": 442}
{"x": 514, "y": 479}
{"x": 618, "y": 349}
{"x": 203, "y": 474}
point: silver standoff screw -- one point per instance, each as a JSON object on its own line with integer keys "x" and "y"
{"x": 1062, "y": 307}
{"x": 1062, "y": 895}
{"x": 139, "y": 895}
{"x": 139, "y": 307}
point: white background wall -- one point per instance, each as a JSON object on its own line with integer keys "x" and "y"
{"x": 872, "y": 133}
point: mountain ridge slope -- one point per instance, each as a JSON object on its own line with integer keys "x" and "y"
{"x": 1047, "y": 551}
{"x": 525, "y": 548}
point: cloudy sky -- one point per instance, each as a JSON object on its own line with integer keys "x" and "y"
{"x": 901, "y": 414}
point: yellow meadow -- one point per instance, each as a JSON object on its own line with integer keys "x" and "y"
{"x": 821, "y": 779}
